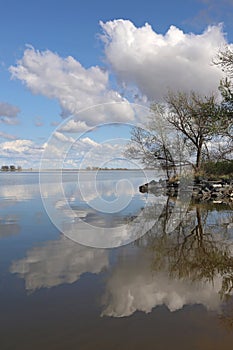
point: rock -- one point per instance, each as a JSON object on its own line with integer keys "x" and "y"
{"x": 217, "y": 185}
{"x": 143, "y": 188}
{"x": 202, "y": 190}
{"x": 152, "y": 183}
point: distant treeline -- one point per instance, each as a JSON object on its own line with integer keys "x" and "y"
{"x": 11, "y": 168}
{"x": 99, "y": 168}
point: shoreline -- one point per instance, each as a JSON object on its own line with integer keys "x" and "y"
{"x": 216, "y": 191}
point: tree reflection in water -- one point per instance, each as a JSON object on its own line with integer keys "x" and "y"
{"x": 200, "y": 248}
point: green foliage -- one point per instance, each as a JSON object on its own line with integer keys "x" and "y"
{"x": 218, "y": 168}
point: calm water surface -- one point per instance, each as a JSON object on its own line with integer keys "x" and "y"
{"x": 164, "y": 291}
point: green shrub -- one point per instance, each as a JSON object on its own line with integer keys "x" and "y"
{"x": 218, "y": 168}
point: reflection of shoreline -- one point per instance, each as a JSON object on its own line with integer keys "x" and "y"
{"x": 191, "y": 265}
{"x": 174, "y": 269}
{"x": 170, "y": 267}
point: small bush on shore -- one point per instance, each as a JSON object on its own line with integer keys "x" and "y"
{"x": 220, "y": 168}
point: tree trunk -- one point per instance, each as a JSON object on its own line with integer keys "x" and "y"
{"x": 198, "y": 158}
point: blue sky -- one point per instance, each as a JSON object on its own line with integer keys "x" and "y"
{"x": 122, "y": 60}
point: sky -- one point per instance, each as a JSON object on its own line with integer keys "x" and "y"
{"x": 76, "y": 71}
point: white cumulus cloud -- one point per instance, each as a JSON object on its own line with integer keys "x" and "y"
{"x": 144, "y": 61}
{"x": 66, "y": 80}
{"x": 22, "y": 152}
{"x": 73, "y": 126}
{"x": 155, "y": 62}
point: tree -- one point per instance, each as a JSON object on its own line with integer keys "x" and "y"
{"x": 224, "y": 60}
{"x": 197, "y": 118}
{"x": 151, "y": 145}
{"x": 184, "y": 121}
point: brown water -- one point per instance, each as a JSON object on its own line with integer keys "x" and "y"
{"x": 164, "y": 291}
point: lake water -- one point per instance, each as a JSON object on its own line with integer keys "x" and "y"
{"x": 168, "y": 289}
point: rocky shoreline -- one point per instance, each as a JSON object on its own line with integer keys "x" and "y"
{"x": 218, "y": 191}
